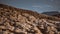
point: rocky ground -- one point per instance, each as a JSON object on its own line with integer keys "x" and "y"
{"x": 13, "y": 21}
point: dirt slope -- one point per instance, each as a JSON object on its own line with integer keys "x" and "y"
{"x": 19, "y": 21}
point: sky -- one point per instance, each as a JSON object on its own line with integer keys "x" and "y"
{"x": 34, "y": 5}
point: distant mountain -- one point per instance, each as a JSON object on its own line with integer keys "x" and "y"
{"x": 20, "y": 21}
{"x": 52, "y": 13}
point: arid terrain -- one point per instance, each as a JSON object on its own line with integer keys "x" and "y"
{"x": 19, "y": 21}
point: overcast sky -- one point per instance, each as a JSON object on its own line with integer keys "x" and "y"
{"x": 35, "y": 5}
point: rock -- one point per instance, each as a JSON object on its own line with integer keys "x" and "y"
{"x": 20, "y": 21}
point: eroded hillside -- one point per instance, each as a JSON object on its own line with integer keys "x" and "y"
{"x": 20, "y": 21}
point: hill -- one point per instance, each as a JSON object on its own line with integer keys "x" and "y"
{"x": 57, "y": 15}
{"x": 53, "y": 13}
{"x": 20, "y": 21}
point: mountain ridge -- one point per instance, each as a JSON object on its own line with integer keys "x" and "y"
{"x": 52, "y": 13}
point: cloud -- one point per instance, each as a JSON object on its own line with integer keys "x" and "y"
{"x": 42, "y": 6}
{"x": 37, "y": 6}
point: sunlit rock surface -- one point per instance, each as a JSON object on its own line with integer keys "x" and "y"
{"x": 19, "y": 21}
